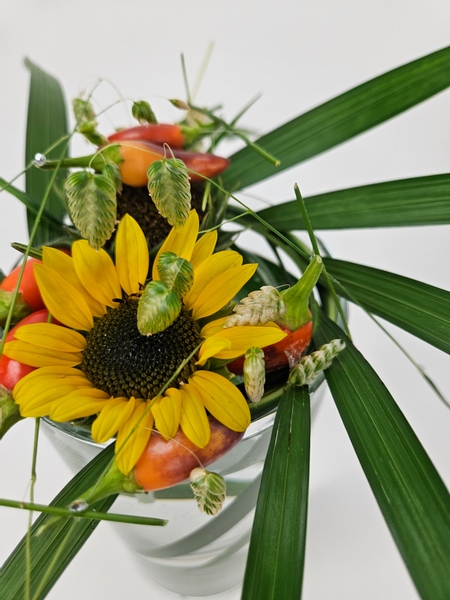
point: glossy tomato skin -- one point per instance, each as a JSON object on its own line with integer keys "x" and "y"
{"x": 28, "y": 289}
{"x": 12, "y": 371}
{"x": 166, "y": 463}
{"x": 282, "y": 354}
{"x": 156, "y": 133}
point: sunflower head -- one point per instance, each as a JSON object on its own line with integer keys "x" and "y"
{"x": 99, "y": 363}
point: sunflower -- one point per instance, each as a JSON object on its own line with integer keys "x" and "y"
{"x": 97, "y": 364}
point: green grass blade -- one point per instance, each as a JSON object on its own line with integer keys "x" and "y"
{"x": 277, "y": 546}
{"x": 421, "y": 309}
{"x": 412, "y": 497}
{"x": 342, "y": 118}
{"x": 45, "y": 548}
{"x": 407, "y": 202}
{"x": 46, "y": 125}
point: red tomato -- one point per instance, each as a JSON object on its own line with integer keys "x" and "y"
{"x": 282, "y": 354}
{"x": 28, "y": 286}
{"x": 12, "y": 371}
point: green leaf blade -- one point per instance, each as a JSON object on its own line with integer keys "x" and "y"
{"x": 411, "y": 495}
{"x": 416, "y": 307}
{"x": 342, "y": 118}
{"x": 277, "y": 546}
{"x": 46, "y": 124}
{"x": 45, "y": 548}
{"x": 402, "y": 203}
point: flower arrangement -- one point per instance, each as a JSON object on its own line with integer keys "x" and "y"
{"x": 137, "y": 316}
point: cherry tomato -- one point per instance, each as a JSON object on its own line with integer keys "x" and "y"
{"x": 12, "y": 371}
{"x": 28, "y": 287}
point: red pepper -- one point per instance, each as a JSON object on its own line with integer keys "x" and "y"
{"x": 28, "y": 289}
{"x": 166, "y": 463}
{"x": 161, "y": 133}
{"x": 282, "y": 354}
{"x": 12, "y": 371}
{"x": 138, "y": 156}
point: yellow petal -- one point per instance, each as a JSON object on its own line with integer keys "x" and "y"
{"x": 131, "y": 255}
{"x": 213, "y": 327}
{"x": 46, "y": 377}
{"x": 218, "y": 292}
{"x": 64, "y": 265}
{"x": 111, "y": 418}
{"x": 181, "y": 241}
{"x": 222, "y": 399}
{"x": 211, "y": 268}
{"x": 65, "y": 302}
{"x": 203, "y": 248}
{"x": 193, "y": 419}
{"x": 133, "y": 437}
{"x": 79, "y": 404}
{"x": 97, "y": 272}
{"x": 243, "y": 338}
{"x": 36, "y": 356}
{"x": 212, "y": 347}
{"x": 166, "y": 411}
{"x": 38, "y": 403}
{"x": 54, "y": 337}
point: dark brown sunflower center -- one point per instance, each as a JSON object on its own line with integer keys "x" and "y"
{"x": 122, "y": 362}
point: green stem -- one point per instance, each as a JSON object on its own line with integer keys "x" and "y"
{"x": 296, "y": 298}
{"x": 58, "y": 511}
{"x": 315, "y": 246}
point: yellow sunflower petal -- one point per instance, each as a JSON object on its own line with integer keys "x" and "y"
{"x": 80, "y": 403}
{"x": 193, "y": 419}
{"x": 39, "y": 403}
{"x": 218, "y": 292}
{"x": 36, "y": 356}
{"x": 212, "y": 347}
{"x": 203, "y": 248}
{"x": 47, "y": 377}
{"x": 65, "y": 302}
{"x": 222, "y": 399}
{"x": 166, "y": 411}
{"x": 111, "y": 418}
{"x": 64, "y": 265}
{"x": 243, "y": 338}
{"x": 97, "y": 272}
{"x": 213, "y": 327}
{"x": 54, "y": 337}
{"x": 181, "y": 241}
{"x": 133, "y": 437}
{"x": 211, "y": 268}
{"x": 131, "y": 255}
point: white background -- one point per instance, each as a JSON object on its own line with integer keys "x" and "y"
{"x": 298, "y": 54}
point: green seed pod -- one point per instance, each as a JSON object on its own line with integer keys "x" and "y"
{"x": 177, "y": 273}
{"x": 254, "y": 374}
{"x": 158, "y": 308}
{"x": 209, "y": 490}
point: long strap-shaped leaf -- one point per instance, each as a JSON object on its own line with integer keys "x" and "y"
{"x": 421, "y": 309}
{"x": 407, "y": 202}
{"x": 46, "y": 125}
{"x": 277, "y": 546}
{"x": 45, "y": 549}
{"x": 411, "y": 495}
{"x": 342, "y": 118}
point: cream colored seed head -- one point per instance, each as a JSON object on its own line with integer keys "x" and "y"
{"x": 258, "y": 308}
